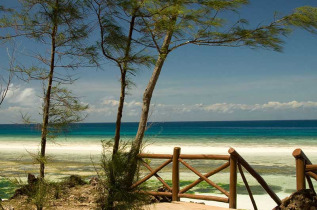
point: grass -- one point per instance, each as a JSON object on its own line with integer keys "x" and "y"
{"x": 7, "y": 188}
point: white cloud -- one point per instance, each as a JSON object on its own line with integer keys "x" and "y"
{"x": 110, "y": 102}
{"x": 107, "y": 109}
{"x": 271, "y": 105}
{"x": 22, "y": 96}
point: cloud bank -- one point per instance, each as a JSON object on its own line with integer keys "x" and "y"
{"x": 108, "y": 107}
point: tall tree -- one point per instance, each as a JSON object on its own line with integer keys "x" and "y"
{"x": 175, "y": 23}
{"x": 120, "y": 38}
{"x": 57, "y": 26}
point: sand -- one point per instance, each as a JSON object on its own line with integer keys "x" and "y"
{"x": 182, "y": 206}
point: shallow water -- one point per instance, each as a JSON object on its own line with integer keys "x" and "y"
{"x": 266, "y": 145}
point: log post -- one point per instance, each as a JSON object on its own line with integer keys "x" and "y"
{"x": 175, "y": 174}
{"x": 300, "y": 169}
{"x": 233, "y": 183}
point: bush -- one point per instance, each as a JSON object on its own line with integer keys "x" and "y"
{"x": 114, "y": 189}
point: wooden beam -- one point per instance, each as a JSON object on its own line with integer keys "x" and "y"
{"x": 204, "y": 178}
{"x": 247, "y": 187}
{"x": 313, "y": 175}
{"x": 157, "y": 176}
{"x": 261, "y": 181}
{"x": 151, "y": 174}
{"x": 211, "y": 157}
{"x": 175, "y": 174}
{"x": 233, "y": 183}
{"x": 205, "y": 197}
{"x": 155, "y": 156}
{"x": 220, "y": 168}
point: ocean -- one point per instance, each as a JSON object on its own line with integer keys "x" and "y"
{"x": 216, "y": 129}
{"x": 266, "y": 145}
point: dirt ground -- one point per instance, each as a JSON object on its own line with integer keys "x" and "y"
{"x": 83, "y": 197}
{"x": 78, "y": 197}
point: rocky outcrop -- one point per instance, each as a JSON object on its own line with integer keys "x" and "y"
{"x": 300, "y": 200}
{"x": 73, "y": 181}
{"x": 160, "y": 199}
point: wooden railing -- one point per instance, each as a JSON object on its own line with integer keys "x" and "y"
{"x": 233, "y": 161}
{"x": 304, "y": 170}
{"x": 243, "y": 163}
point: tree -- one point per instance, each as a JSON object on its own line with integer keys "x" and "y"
{"x": 121, "y": 46}
{"x": 173, "y": 24}
{"x": 5, "y": 80}
{"x": 59, "y": 26}
{"x": 120, "y": 38}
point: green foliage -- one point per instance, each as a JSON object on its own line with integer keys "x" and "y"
{"x": 38, "y": 158}
{"x": 121, "y": 36}
{"x": 305, "y": 18}
{"x": 60, "y": 27}
{"x": 7, "y": 188}
{"x": 201, "y": 23}
{"x": 115, "y": 191}
{"x": 39, "y": 195}
{"x": 65, "y": 109}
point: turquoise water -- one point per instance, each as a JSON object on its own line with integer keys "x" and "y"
{"x": 228, "y": 131}
{"x": 289, "y": 128}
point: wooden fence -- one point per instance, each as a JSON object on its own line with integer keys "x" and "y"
{"x": 304, "y": 170}
{"x": 234, "y": 161}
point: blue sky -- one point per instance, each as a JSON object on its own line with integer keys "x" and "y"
{"x": 202, "y": 83}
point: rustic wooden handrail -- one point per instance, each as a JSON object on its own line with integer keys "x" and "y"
{"x": 260, "y": 180}
{"x": 233, "y": 183}
{"x": 175, "y": 192}
{"x": 151, "y": 174}
{"x": 175, "y": 174}
{"x": 220, "y": 168}
{"x": 153, "y": 156}
{"x": 210, "y": 157}
{"x": 311, "y": 167}
{"x": 247, "y": 186}
{"x": 157, "y": 176}
{"x": 305, "y": 170}
{"x": 234, "y": 161}
{"x": 204, "y": 178}
{"x": 298, "y": 153}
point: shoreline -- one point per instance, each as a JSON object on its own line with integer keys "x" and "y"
{"x": 273, "y": 161}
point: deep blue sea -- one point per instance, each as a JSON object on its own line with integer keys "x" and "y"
{"x": 287, "y": 131}
{"x": 222, "y": 129}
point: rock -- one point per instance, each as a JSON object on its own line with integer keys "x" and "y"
{"x": 32, "y": 180}
{"x": 160, "y": 199}
{"x": 301, "y": 200}
{"x": 74, "y": 180}
{"x": 94, "y": 181}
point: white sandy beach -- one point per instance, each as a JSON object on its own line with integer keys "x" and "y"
{"x": 262, "y": 157}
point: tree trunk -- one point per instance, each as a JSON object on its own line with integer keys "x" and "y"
{"x": 147, "y": 96}
{"x": 123, "y": 86}
{"x": 119, "y": 114}
{"x": 123, "y": 82}
{"x": 46, "y": 105}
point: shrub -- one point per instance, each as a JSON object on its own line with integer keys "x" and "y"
{"x": 114, "y": 189}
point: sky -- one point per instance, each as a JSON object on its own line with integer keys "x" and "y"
{"x": 198, "y": 83}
